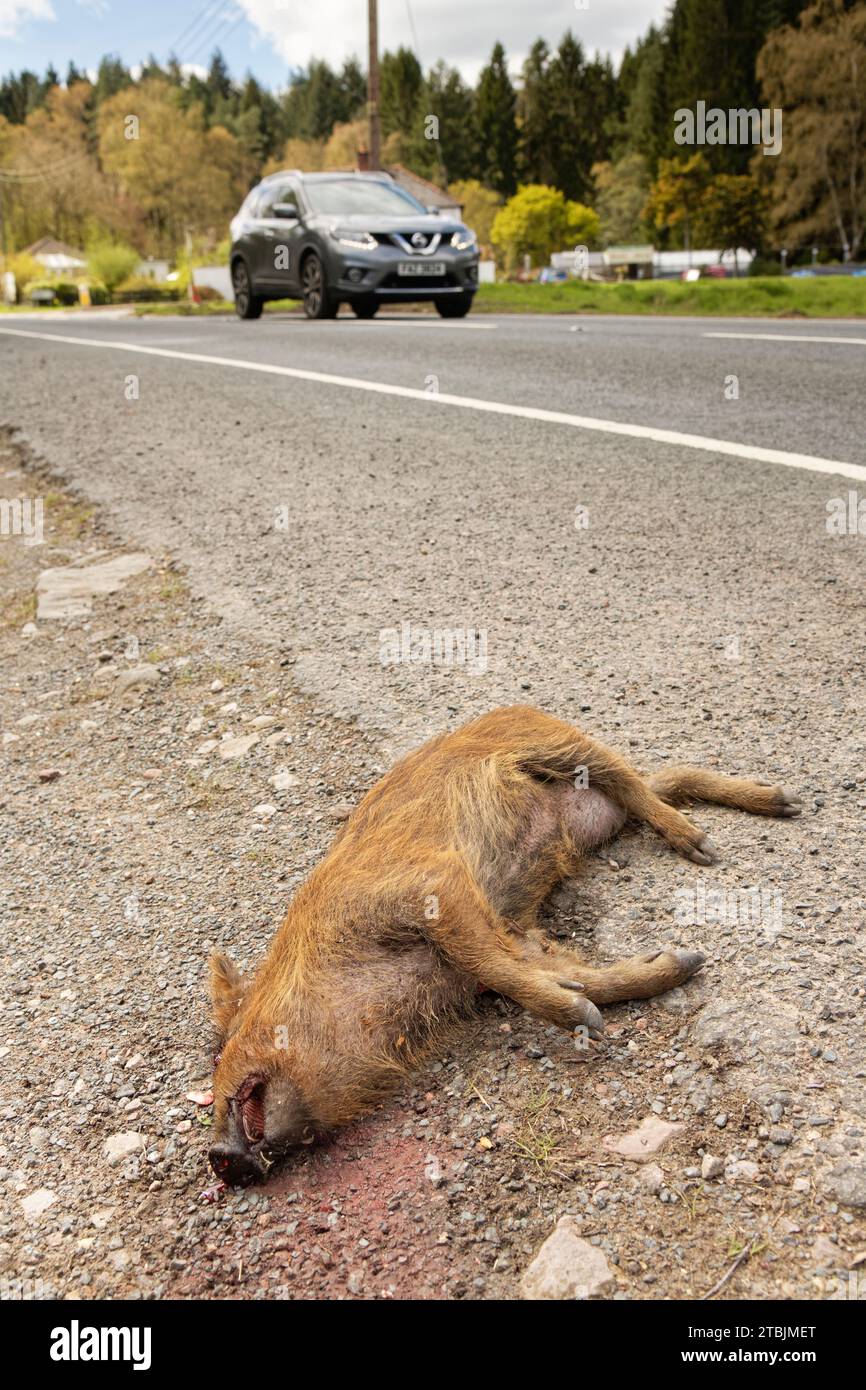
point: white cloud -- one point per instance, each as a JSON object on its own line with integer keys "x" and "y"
{"x": 463, "y": 34}
{"x": 15, "y": 13}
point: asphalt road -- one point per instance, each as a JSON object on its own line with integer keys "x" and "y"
{"x": 322, "y": 514}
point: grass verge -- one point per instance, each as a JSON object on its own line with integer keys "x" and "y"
{"x": 830, "y": 296}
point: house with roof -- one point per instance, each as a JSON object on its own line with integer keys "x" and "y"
{"x": 56, "y": 256}
{"x": 430, "y": 194}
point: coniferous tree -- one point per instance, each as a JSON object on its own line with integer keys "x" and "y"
{"x": 353, "y": 89}
{"x": 647, "y": 127}
{"x": 19, "y": 95}
{"x": 111, "y": 77}
{"x": 537, "y": 116}
{"x": 443, "y": 143}
{"x": 400, "y": 80}
{"x": 495, "y": 106}
{"x": 583, "y": 96}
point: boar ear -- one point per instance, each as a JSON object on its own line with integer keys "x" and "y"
{"x": 226, "y": 991}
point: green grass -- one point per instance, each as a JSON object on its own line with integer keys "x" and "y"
{"x": 830, "y": 296}
{"x": 183, "y": 307}
{"x": 211, "y": 306}
{"x": 772, "y": 296}
{"x": 29, "y": 308}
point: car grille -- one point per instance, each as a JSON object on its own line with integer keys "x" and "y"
{"x": 418, "y": 282}
{"x": 442, "y": 239}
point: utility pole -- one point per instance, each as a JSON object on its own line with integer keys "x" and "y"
{"x": 374, "y": 133}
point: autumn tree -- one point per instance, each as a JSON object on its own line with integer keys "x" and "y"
{"x": 539, "y": 220}
{"x": 816, "y": 73}
{"x": 675, "y": 197}
{"x": 51, "y": 178}
{"x": 621, "y": 190}
{"x": 181, "y": 175}
{"x": 480, "y": 206}
{"x": 731, "y": 214}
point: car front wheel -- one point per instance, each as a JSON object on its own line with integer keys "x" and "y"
{"x": 456, "y": 308}
{"x": 318, "y": 303}
{"x": 247, "y": 304}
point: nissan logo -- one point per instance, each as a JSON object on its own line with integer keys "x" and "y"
{"x": 419, "y": 239}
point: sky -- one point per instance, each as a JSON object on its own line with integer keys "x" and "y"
{"x": 270, "y": 37}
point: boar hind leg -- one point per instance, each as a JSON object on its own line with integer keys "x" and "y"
{"x": 472, "y": 937}
{"x": 551, "y": 750}
{"x": 677, "y": 784}
{"x": 641, "y": 977}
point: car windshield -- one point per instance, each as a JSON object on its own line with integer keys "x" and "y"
{"x": 345, "y": 197}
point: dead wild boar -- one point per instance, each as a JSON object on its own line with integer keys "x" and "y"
{"x": 430, "y": 892}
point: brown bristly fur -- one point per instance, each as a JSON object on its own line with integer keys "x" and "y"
{"x": 432, "y": 888}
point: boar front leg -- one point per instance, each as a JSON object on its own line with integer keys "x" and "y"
{"x": 470, "y": 935}
{"x": 640, "y": 977}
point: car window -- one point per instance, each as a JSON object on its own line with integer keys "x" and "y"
{"x": 282, "y": 193}
{"x": 343, "y": 197}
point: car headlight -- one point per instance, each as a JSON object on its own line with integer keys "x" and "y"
{"x": 361, "y": 241}
{"x": 464, "y": 240}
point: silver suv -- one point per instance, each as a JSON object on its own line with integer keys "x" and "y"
{"x": 357, "y": 239}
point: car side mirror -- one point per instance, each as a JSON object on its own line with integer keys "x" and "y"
{"x": 287, "y": 210}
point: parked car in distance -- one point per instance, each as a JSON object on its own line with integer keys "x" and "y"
{"x": 359, "y": 239}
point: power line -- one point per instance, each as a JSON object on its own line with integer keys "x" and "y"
{"x": 217, "y": 37}
{"x": 207, "y": 13}
{"x": 416, "y": 48}
{"x": 31, "y": 175}
{"x": 414, "y": 33}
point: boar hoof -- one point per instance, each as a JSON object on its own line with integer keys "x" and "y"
{"x": 704, "y": 852}
{"x": 587, "y": 1016}
{"x": 689, "y": 962}
{"x": 788, "y": 802}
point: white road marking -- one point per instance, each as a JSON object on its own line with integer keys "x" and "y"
{"x": 789, "y": 338}
{"x": 298, "y": 322}
{"x": 523, "y": 412}
{"x": 420, "y": 322}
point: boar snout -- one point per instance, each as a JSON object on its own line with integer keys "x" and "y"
{"x": 263, "y": 1121}
{"x": 236, "y": 1167}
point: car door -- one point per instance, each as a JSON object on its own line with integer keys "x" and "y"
{"x": 278, "y": 235}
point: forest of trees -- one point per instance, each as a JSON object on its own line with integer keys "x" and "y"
{"x": 146, "y": 160}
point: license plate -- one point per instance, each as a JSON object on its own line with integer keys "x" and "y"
{"x": 421, "y": 268}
